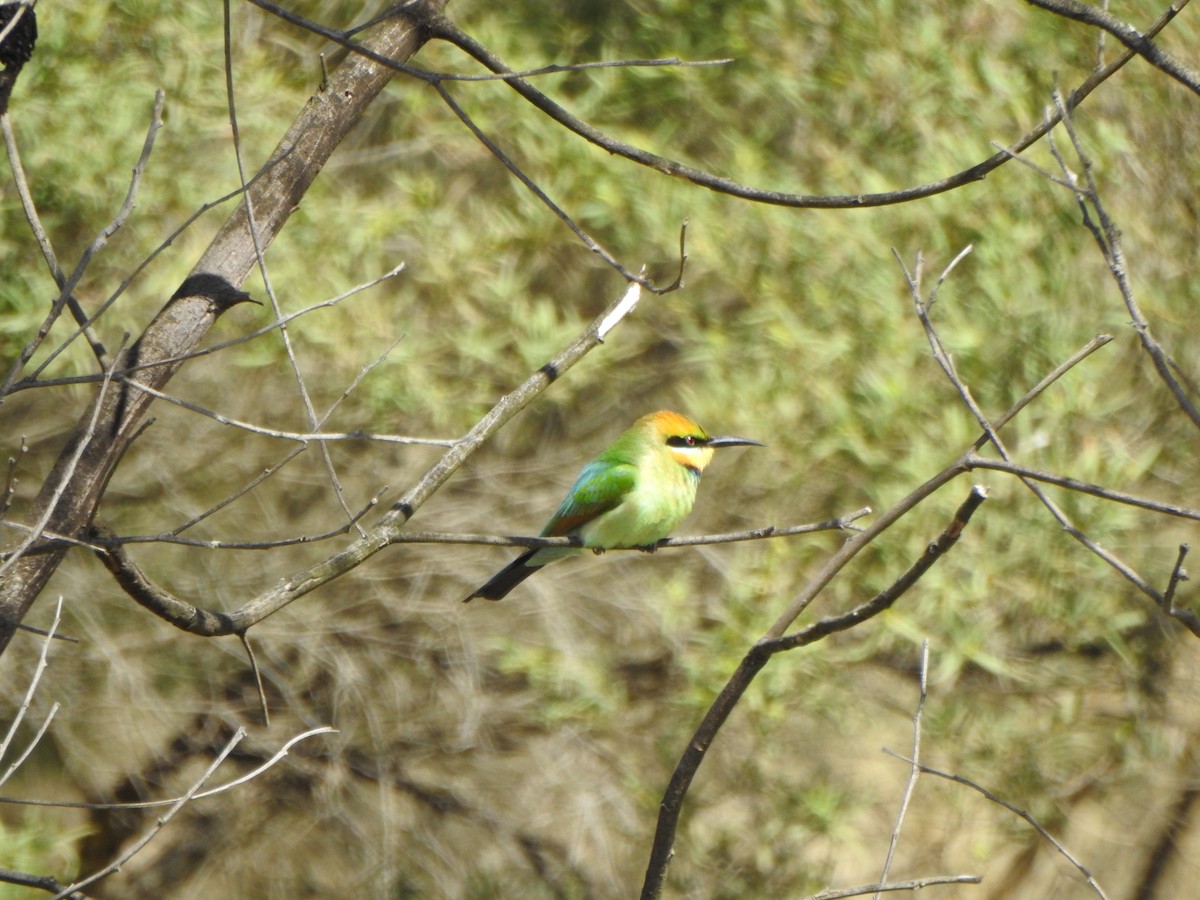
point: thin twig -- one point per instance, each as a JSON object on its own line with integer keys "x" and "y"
{"x": 258, "y": 681}
{"x": 101, "y": 541}
{"x": 974, "y": 461}
{"x": 252, "y": 222}
{"x": 754, "y": 661}
{"x": 39, "y": 882}
{"x": 911, "y": 785}
{"x": 10, "y": 478}
{"x": 1187, "y": 617}
{"x": 201, "y": 795}
{"x": 959, "y": 779}
{"x": 915, "y": 884}
{"x": 43, "y": 240}
{"x": 1108, "y": 238}
{"x": 29, "y": 692}
{"x": 303, "y": 437}
{"x": 446, "y": 30}
{"x": 159, "y": 824}
{"x": 95, "y": 247}
{"x": 673, "y": 62}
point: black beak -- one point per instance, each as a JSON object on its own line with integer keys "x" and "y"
{"x": 733, "y": 442}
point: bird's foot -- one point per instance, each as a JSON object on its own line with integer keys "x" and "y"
{"x": 648, "y": 548}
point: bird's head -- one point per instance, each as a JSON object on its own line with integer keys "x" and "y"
{"x": 688, "y": 443}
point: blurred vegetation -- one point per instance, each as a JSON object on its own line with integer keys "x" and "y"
{"x": 528, "y": 743}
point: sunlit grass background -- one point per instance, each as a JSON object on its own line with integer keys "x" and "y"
{"x": 522, "y": 748}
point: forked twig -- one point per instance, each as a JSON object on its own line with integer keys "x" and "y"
{"x": 28, "y": 699}
{"x": 92, "y": 249}
{"x": 275, "y": 758}
{"x": 754, "y": 661}
{"x": 1057, "y": 845}
{"x": 137, "y": 846}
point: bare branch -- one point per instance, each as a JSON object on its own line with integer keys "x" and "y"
{"x": 445, "y": 29}
{"x": 911, "y": 785}
{"x": 754, "y": 661}
{"x": 146, "y": 838}
{"x": 43, "y": 240}
{"x": 974, "y": 461}
{"x": 10, "y": 478}
{"x": 1127, "y": 35}
{"x": 1108, "y": 238}
{"x": 1190, "y": 620}
{"x": 212, "y": 289}
{"x": 95, "y": 247}
{"x": 63, "y": 482}
{"x": 672, "y": 62}
{"x": 300, "y": 436}
{"x": 958, "y": 779}
{"x": 39, "y": 882}
{"x": 25, "y": 703}
{"x": 275, "y": 758}
{"x": 915, "y": 884}
{"x": 103, "y": 540}
{"x": 258, "y": 680}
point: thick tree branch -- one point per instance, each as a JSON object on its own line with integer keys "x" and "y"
{"x": 185, "y": 320}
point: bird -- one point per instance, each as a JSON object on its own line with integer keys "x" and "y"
{"x": 631, "y": 496}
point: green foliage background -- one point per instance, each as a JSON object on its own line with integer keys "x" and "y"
{"x": 528, "y": 743}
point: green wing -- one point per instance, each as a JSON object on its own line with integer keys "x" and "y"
{"x": 601, "y": 486}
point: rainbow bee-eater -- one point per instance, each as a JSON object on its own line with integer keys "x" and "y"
{"x": 630, "y": 496}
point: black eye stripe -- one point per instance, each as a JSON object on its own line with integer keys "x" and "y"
{"x": 689, "y": 440}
